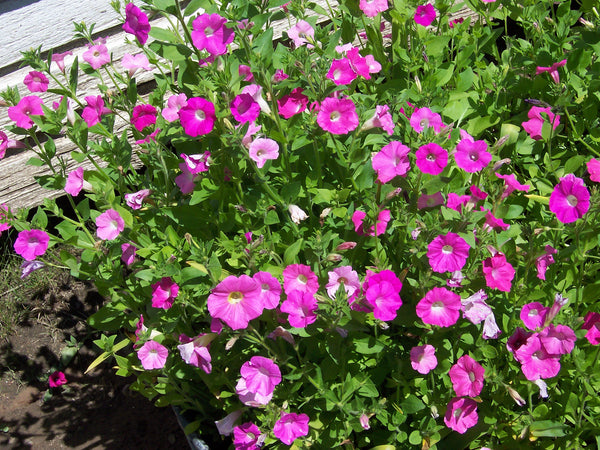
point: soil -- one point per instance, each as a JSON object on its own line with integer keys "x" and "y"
{"x": 92, "y": 411}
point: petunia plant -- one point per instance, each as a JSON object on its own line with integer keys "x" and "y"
{"x": 370, "y": 224}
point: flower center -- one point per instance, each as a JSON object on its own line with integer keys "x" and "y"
{"x": 572, "y": 200}
{"x": 431, "y": 157}
{"x": 437, "y": 305}
{"x": 260, "y": 153}
{"x": 32, "y": 241}
{"x": 424, "y": 123}
{"x": 335, "y": 116}
{"x": 471, "y": 376}
{"x": 473, "y": 156}
{"x": 208, "y": 32}
{"x": 447, "y": 249}
{"x": 200, "y": 115}
{"x": 533, "y": 312}
{"x": 265, "y": 287}
{"x": 96, "y": 54}
{"x": 457, "y": 413}
{"x": 235, "y": 297}
{"x": 302, "y": 279}
{"x": 342, "y": 280}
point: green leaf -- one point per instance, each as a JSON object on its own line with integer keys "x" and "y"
{"x": 412, "y": 404}
{"x": 271, "y": 218}
{"x": 50, "y": 148}
{"x": 547, "y": 428}
{"x": 74, "y": 75}
{"x": 289, "y": 257}
{"x": 263, "y": 46}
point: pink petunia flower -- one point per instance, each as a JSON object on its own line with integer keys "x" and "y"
{"x": 132, "y": 63}
{"x": 338, "y": 116}
{"x": 431, "y": 158}
{"x": 299, "y": 32}
{"x": 262, "y": 149}
{"x": 422, "y": 358}
{"x": 425, "y": 14}
{"x": 164, "y": 293}
{"x": 533, "y": 126}
{"x": 456, "y": 202}
{"x": 270, "y": 289}
{"x": 552, "y": 70}
{"x": 591, "y": 322}
{"x": 57, "y": 379}
{"x": 558, "y": 339}
{"x": 246, "y": 437}
{"x": 245, "y": 72}
{"x": 373, "y": 7}
{"x": 379, "y": 228}
{"x": 447, "y": 253}
{"x": 244, "y": 108}
{"x": 31, "y": 243}
{"x": 59, "y": 59}
{"x": 261, "y": 375}
{"x": 382, "y": 294}
{"x": 467, "y": 377}
{"x": 197, "y": 117}
{"x": 236, "y": 301}
{"x": 439, "y": 307}
{"x": 493, "y": 223}
{"x": 210, "y": 33}
{"x": 490, "y": 328}
{"x": 391, "y": 161}
{"x": 174, "y": 104}
{"x": 109, "y": 224}
{"x": 341, "y": 72}
{"x": 593, "y": 167}
{"x": 293, "y": 103}
{"x": 299, "y": 277}
{"x": 477, "y": 194}
{"x": 129, "y": 252}
{"x": 143, "y": 116}
{"x": 381, "y": 119}
{"x": 533, "y": 315}
{"x": 6, "y": 143}
{"x": 498, "y": 272}
{"x": 186, "y": 180}
{"x": 471, "y": 156}
{"x": 226, "y": 425}
{"x": 291, "y": 426}
{"x": 194, "y": 351}
{"x": 301, "y": 307}
{"x": 135, "y": 199}
{"x": 93, "y": 112}
{"x": 136, "y": 23}
{"x": 74, "y": 182}
{"x": 96, "y": 56}
{"x": 517, "y": 339}
{"x": 535, "y": 361}
{"x": 153, "y": 355}
{"x": 279, "y": 76}
{"x": 461, "y": 414}
{"x": 430, "y": 201}
{"x": 423, "y": 118}
{"x": 196, "y": 163}
{"x": 511, "y": 184}
{"x": 148, "y": 138}
{"x": 542, "y": 262}
{"x": 36, "y": 81}
{"x": 30, "y": 105}
{"x": 474, "y": 308}
{"x": 346, "y": 278}
{"x": 570, "y": 199}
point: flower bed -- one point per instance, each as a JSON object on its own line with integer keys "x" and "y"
{"x": 337, "y": 243}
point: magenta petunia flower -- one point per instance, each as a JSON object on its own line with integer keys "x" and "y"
{"x": 425, "y": 14}
{"x": 270, "y": 289}
{"x": 379, "y": 228}
{"x": 174, "y": 103}
{"x": 136, "y": 23}
{"x": 31, "y": 243}
{"x": 511, "y": 184}
{"x": 135, "y": 62}
{"x": 246, "y": 437}
{"x": 498, "y": 272}
{"x": 299, "y": 277}
{"x": 517, "y": 339}
{"x": 96, "y": 56}
{"x": 477, "y": 193}
{"x": 391, "y": 161}
{"x": 373, "y": 7}
{"x": 236, "y": 301}
{"x": 593, "y": 167}
{"x": 467, "y": 377}
{"x": 129, "y": 252}
{"x": 291, "y": 426}
{"x": 262, "y": 149}
{"x": 338, "y": 116}
{"x": 293, "y": 103}
{"x": 59, "y": 59}
{"x": 422, "y": 358}
{"x": 186, "y": 180}
{"x": 74, "y": 182}
{"x": 197, "y": 117}
{"x": 535, "y": 361}
{"x": 57, "y": 379}
{"x": 552, "y": 70}
{"x": 135, "y": 199}
{"x": 244, "y": 108}
{"x": 279, "y": 76}
{"x": 143, "y": 116}
{"x": 533, "y": 315}
{"x": 382, "y": 294}
{"x": 456, "y": 202}
{"x": 423, "y": 118}
{"x": 591, "y": 322}
{"x": 109, "y": 224}
{"x": 493, "y": 223}
{"x": 447, "y": 253}
{"x": 299, "y": 32}
{"x": 195, "y": 351}
{"x": 36, "y": 81}
{"x": 534, "y": 125}
{"x": 381, "y": 119}
{"x": 164, "y": 293}
{"x": 153, "y": 355}
{"x": 261, "y": 375}
{"x": 93, "y": 112}
{"x": 430, "y": 201}
{"x": 210, "y": 33}
{"x": 30, "y": 105}
{"x": 570, "y": 199}
{"x": 346, "y": 278}
{"x": 461, "y": 414}
{"x": 196, "y": 164}
{"x": 245, "y": 72}
{"x": 471, "y": 156}
{"x": 439, "y": 307}
{"x": 431, "y": 158}
{"x": 341, "y": 72}
{"x": 558, "y": 339}
{"x": 543, "y": 261}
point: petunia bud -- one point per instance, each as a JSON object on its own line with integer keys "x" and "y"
{"x": 297, "y": 214}
{"x": 515, "y": 396}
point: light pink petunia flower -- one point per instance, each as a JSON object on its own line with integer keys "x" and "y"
{"x": 153, "y": 355}
{"x": 422, "y": 358}
{"x": 373, "y": 7}
{"x": 74, "y": 182}
{"x": 291, "y": 426}
{"x": 31, "y": 243}
{"x": 210, "y": 33}
{"x": 109, "y": 224}
{"x": 96, "y": 56}
{"x": 261, "y": 375}
{"x": 461, "y": 414}
{"x": 570, "y": 199}
{"x": 196, "y": 163}
{"x": 186, "y": 180}
{"x": 391, "y": 161}
{"x": 381, "y": 119}
{"x": 36, "y": 81}
{"x": 262, "y": 149}
{"x": 174, "y": 103}
{"x": 135, "y": 199}
{"x": 439, "y": 307}
{"x": 194, "y": 351}
{"x": 136, "y": 23}
{"x": 95, "y": 109}
{"x": 338, "y": 116}
{"x": 467, "y": 377}
{"x": 236, "y": 301}
{"x": 431, "y": 158}
{"x": 558, "y": 339}
{"x": 448, "y": 253}
{"x": 543, "y": 261}
{"x": 132, "y": 63}
{"x": 474, "y": 308}
{"x": 535, "y": 361}
{"x": 345, "y": 277}
{"x": 341, "y": 72}
{"x": 425, "y": 14}
{"x": 164, "y": 293}
{"x": 301, "y": 307}
{"x": 593, "y": 167}
{"x": 299, "y": 32}
{"x": 30, "y": 105}
{"x": 59, "y": 59}
{"x": 197, "y": 117}
{"x": 129, "y": 252}
{"x": 299, "y": 277}
{"x": 270, "y": 289}
{"x": 423, "y": 118}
